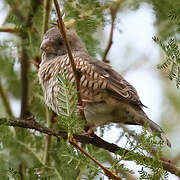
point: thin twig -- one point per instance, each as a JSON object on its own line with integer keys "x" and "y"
{"x": 49, "y": 114}
{"x": 113, "y": 11}
{"x": 46, "y": 14}
{"x": 35, "y": 4}
{"x": 77, "y": 78}
{"x": 24, "y": 82}
{"x": 25, "y": 63}
{"x": 8, "y": 29}
{"x": 107, "y": 172}
{"x": 94, "y": 140}
{"x": 50, "y": 122}
{"x": 5, "y": 101}
{"x": 76, "y": 75}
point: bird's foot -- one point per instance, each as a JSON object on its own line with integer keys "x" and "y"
{"x": 88, "y": 131}
{"x": 80, "y": 108}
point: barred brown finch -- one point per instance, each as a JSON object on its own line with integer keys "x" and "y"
{"x": 108, "y": 96}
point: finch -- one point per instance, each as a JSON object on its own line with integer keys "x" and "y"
{"x": 109, "y": 97}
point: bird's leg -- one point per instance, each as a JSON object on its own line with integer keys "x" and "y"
{"x": 81, "y": 107}
{"x": 88, "y": 131}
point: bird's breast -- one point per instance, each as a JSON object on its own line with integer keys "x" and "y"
{"x": 89, "y": 87}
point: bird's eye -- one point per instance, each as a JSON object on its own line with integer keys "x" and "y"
{"x": 60, "y": 43}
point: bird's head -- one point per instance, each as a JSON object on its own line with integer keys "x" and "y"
{"x": 53, "y": 43}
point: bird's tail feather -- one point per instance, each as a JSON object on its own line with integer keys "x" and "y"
{"x": 153, "y": 127}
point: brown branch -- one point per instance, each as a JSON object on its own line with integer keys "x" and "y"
{"x": 107, "y": 172}
{"x": 94, "y": 140}
{"x": 5, "y": 101}
{"x": 113, "y": 11}
{"x": 76, "y": 75}
{"x": 46, "y": 14}
{"x": 25, "y": 63}
{"x": 8, "y": 29}
{"x": 49, "y": 114}
{"x": 50, "y": 122}
{"x": 35, "y": 4}
{"x": 24, "y": 82}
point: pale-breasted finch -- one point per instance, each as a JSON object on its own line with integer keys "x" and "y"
{"x": 108, "y": 96}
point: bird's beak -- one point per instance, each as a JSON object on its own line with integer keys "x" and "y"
{"x": 45, "y": 44}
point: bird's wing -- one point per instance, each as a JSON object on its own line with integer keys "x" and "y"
{"x": 119, "y": 88}
{"x": 116, "y": 86}
{"x": 97, "y": 75}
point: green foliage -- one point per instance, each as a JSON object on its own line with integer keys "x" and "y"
{"x": 143, "y": 145}
{"x": 9, "y": 73}
{"x": 67, "y": 96}
{"x": 170, "y": 45}
{"x": 123, "y": 169}
{"x": 10, "y": 174}
{"x": 22, "y": 151}
{"x": 163, "y": 9}
{"x": 172, "y": 61}
{"x": 37, "y": 99}
{"x": 145, "y": 175}
{"x": 14, "y": 152}
{"x": 87, "y": 25}
{"x": 67, "y": 107}
{"x": 74, "y": 163}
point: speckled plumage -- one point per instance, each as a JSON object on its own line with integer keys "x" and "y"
{"x": 108, "y": 96}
